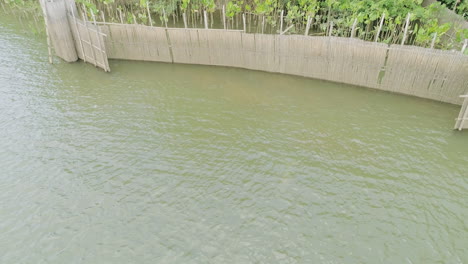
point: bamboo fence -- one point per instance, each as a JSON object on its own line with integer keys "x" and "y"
{"x": 422, "y": 72}
{"x": 89, "y": 42}
{"x": 59, "y": 35}
{"x": 427, "y": 73}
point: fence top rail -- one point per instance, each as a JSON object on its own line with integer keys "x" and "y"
{"x": 427, "y": 50}
{"x": 353, "y": 41}
{"x": 208, "y": 29}
{"x": 140, "y": 25}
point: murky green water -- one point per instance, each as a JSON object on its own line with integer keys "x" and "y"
{"x": 160, "y": 163}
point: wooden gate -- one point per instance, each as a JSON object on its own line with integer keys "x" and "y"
{"x": 89, "y": 41}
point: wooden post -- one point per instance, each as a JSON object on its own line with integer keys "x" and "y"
{"x": 184, "y": 17}
{"x": 464, "y": 46}
{"x": 330, "y": 31}
{"x": 353, "y": 29}
{"x": 49, "y": 49}
{"x": 380, "y": 27}
{"x": 263, "y": 23}
{"x": 433, "y": 40}
{"x": 120, "y": 14}
{"x": 245, "y": 24}
{"x": 224, "y": 17}
{"x": 309, "y": 20}
{"x": 149, "y": 14}
{"x": 281, "y": 21}
{"x": 78, "y": 33}
{"x": 164, "y": 17}
{"x": 103, "y": 17}
{"x": 205, "y": 18}
{"x": 406, "y": 29}
{"x": 134, "y": 19}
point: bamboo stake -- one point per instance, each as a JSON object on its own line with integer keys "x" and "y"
{"x": 120, "y": 14}
{"x": 78, "y": 33}
{"x": 306, "y": 32}
{"x": 243, "y": 20}
{"x": 282, "y": 33}
{"x": 149, "y": 14}
{"x": 205, "y": 18}
{"x": 263, "y": 23}
{"x": 455, "y": 6}
{"x": 49, "y": 49}
{"x": 380, "y": 27}
{"x": 103, "y": 17}
{"x": 184, "y": 17}
{"x": 406, "y": 29}
{"x": 433, "y": 40}
{"x": 224, "y": 17}
{"x": 281, "y": 21}
{"x": 353, "y": 29}
{"x": 464, "y": 46}
{"x": 164, "y": 17}
{"x": 330, "y": 31}
{"x": 191, "y": 16}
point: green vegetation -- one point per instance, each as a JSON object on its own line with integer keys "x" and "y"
{"x": 459, "y": 6}
{"x": 264, "y": 15}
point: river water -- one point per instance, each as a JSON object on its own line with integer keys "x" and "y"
{"x": 161, "y": 163}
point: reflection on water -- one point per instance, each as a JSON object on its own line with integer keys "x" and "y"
{"x": 161, "y": 163}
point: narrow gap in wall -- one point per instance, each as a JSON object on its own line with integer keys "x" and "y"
{"x": 435, "y": 77}
{"x": 431, "y": 82}
{"x": 169, "y": 44}
{"x": 384, "y": 67}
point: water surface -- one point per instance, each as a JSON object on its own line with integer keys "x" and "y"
{"x": 161, "y": 163}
